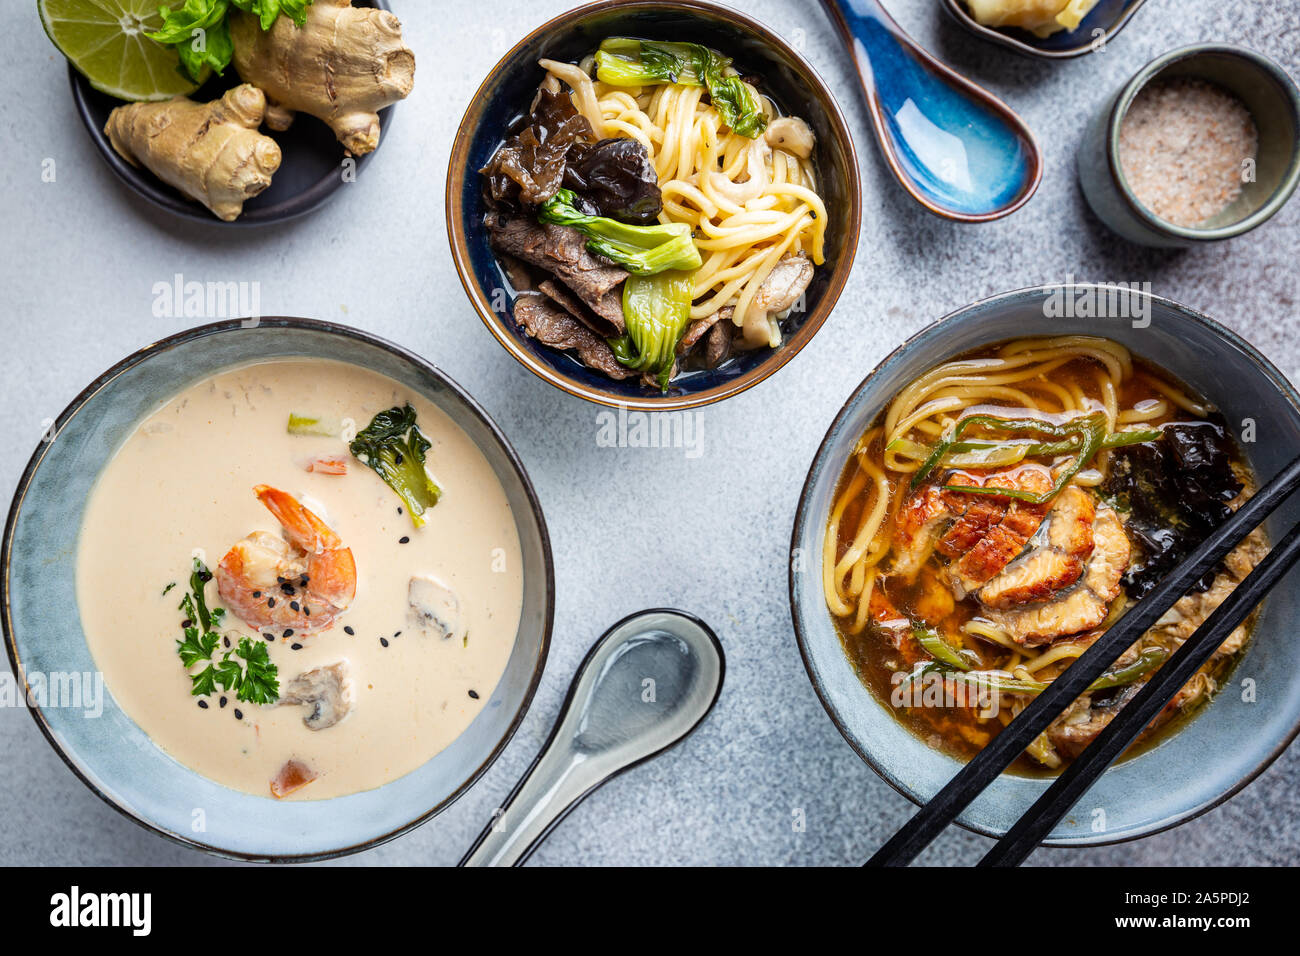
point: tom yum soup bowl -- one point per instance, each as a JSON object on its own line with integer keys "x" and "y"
{"x": 1202, "y": 144}
{"x": 54, "y": 638}
{"x": 1198, "y": 763}
{"x": 501, "y": 107}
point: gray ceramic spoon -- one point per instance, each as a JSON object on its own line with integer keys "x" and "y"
{"x": 645, "y": 685}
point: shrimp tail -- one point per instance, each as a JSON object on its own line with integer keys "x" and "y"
{"x": 301, "y": 525}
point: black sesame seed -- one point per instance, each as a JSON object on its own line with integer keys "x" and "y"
{"x": 295, "y": 646}
{"x": 399, "y": 509}
{"x": 287, "y": 588}
{"x": 303, "y": 580}
{"x": 348, "y": 630}
{"x": 384, "y": 641}
{"x": 203, "y": 704}
{"x": 306, "y": 611}
{"x": 205, "y": 576}
{"x": 474, "y": 694}
{"x": 239, "y": 714}
{"x": 294, "y": 605}
{"x": 397, "y": 458}
{"x": 270, "y": 602}
{"x": 257, "y": 594}
{"x": 288, "y": 632}
{"x": 187, "y": 623}
{"x": 397, "y": 633}
{"x": 280, "y": 579}
{"x": 404, "y": 539}
{"x": 222, "y": 702}
{"x": 269, "y": 637}
{"x": 225, "y": 641}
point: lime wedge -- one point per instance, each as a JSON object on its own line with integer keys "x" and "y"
{"x": 105, "y": 40}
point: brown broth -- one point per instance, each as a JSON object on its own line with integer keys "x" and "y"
{"x": 962, "y": 731}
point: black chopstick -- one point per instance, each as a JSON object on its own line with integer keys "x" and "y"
{"x": 1116, "y": 737}
{"x": 915, "y": 835}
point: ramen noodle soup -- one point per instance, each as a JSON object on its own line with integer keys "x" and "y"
{"x": 1002, "y": 512}
{"x": 654, "y": 211}
{"x": 290, "y": 609}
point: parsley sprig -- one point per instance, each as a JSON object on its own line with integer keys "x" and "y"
{"x": 255, "y": 680}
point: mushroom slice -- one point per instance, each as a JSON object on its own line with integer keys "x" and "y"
{"x": 294, "y": 775}
{"x": 328, "y": 691}
{"x": 784, "y": 284}
{"x": 434, "y": 607}
{"x": 791, "y": 134}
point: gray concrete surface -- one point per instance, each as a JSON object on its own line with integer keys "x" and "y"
{"x": 80, "y": 257}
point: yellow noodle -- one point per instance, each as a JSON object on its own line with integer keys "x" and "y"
{"x": 748, "y": 204}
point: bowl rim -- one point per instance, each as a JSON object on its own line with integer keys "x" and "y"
{"x": 1267, "y": 68}
{"x": 998, "y": 35}
{"x": 802, "y": 518}
{"x": 147, "y": 185}
{"x": 457, "y": 170}
{"x": 297, "y": 324}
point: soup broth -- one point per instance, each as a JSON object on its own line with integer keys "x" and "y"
{"x": 1004, "y": 511}
{"x": 182, "y": 486}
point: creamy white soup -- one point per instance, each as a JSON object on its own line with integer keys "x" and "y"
{"x": 410, "y": 630}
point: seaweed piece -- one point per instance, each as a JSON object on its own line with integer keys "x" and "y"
{"x": 1176, "y": 492}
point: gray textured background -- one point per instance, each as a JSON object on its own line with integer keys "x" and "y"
{"x": 80, "y": 257}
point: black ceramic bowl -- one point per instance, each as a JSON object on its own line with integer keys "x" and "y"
{"x": 309, "y": 174}
{"x": 509, "y": 88}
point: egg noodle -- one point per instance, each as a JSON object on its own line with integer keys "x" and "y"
{"x": 1018, "y": 376}
{"x": 748, "y": 203}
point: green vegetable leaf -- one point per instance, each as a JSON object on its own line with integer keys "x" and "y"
{"x": 393, "y": 446}
{"x": 311, "y": 425}
{"x": 205, "y": 681}
{"x": 195, "y": 647}
{"x": 938, "y": 648}
{"x": 267, "y": 11}
{"x": 200, "y": 29}
{"x": 260, "y": 683}
{"x": 656, "y": 310}
{"x": 623, "y": 61}
{"x": 229, "y": 673}
{"x": 641, "y": 250}
{"x": 255, "y": 680}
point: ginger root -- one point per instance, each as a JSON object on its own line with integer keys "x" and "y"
{"x": 342, "y": 66}
{"x": 211, "y": 152}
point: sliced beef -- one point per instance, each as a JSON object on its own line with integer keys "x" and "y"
{"x": 551, "y": 325}
{"x": 700, "y": 327}
{"x": 717, "y": 345}
{"x": 562, "y": 251}
{"x": 566, "y": 300}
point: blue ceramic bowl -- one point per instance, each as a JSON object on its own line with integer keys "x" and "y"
{"x": 110, "y": 753}
{"x": 1222, "y": 748}
{"x": 505, "y": 95}
{"x": 1102, "y": 23}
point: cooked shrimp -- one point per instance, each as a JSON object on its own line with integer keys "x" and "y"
{"x": 301, "y": 584}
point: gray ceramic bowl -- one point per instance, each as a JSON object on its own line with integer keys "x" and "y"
{"x": 1273, "y": 100}
{"x": 111, "y": 754}
{"x": 1223, "y": 747}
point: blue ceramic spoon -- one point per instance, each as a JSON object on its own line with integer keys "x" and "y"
{"x": 956, "y": 148}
